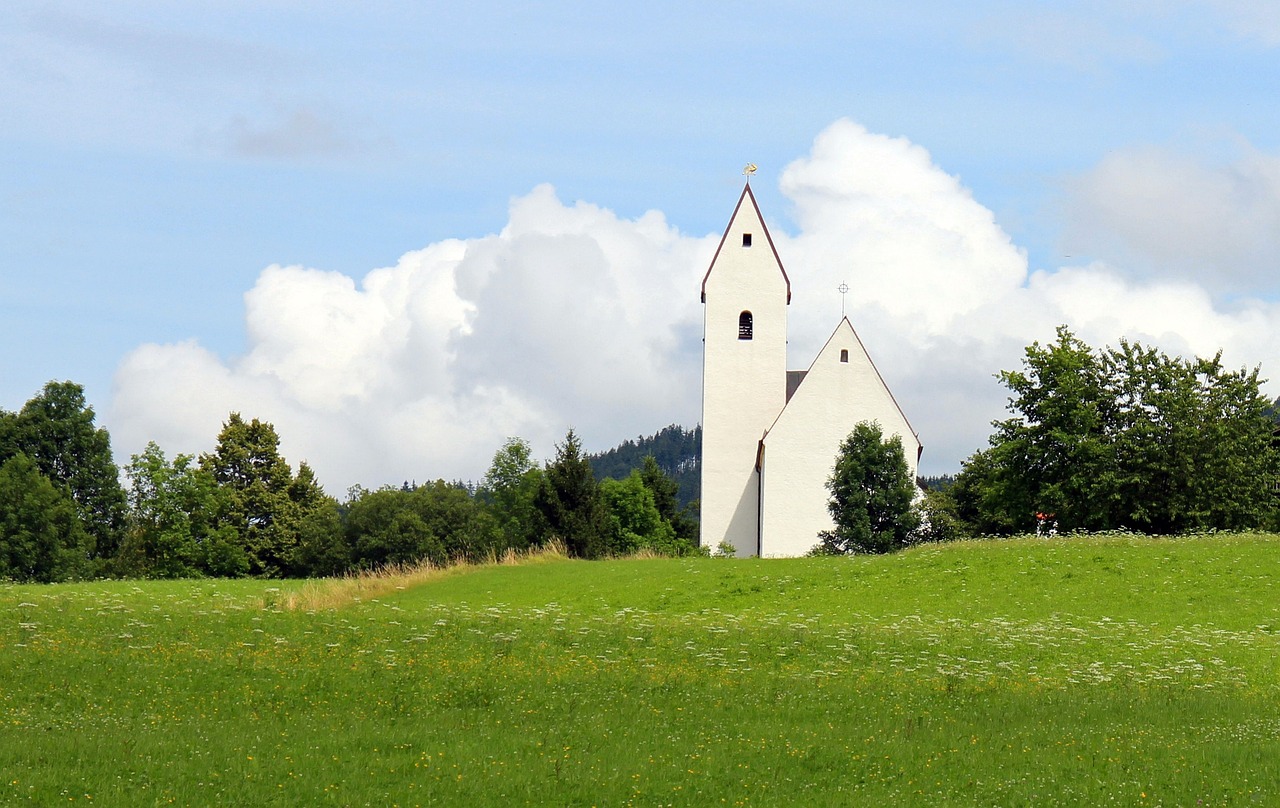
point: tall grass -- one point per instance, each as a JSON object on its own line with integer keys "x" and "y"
{"x": 1071, "y": 672}
{"x": 333, "y": 593}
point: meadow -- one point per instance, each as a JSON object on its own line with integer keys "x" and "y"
{"x": 1101, "y": 670}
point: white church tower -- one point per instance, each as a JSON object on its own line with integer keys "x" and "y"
{"x": 744, "y": 374}
{"x": 770, "y": 436}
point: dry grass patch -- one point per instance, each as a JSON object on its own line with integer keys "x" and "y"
{"x": 334, "y": 593}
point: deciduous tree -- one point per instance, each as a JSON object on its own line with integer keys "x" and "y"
{"x": 56, "y": 430}
{"x": 1124, "y": 437}
{"x": 871, "y": 494}
{"x": 41, "y": 537}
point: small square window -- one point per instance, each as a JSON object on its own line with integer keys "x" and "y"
{"x": 746, "y": 239}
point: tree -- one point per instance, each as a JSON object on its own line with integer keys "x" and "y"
{"x": 871, "y": 495}
{"x": 322, "y": 548}
{"x": 939, "y": 521}
{"x": 666, "y": 498}
{"x": 466, "y": 529}
{"x": 570, "y": 503}
{"x": 265, "y": 502}
{"x": 677, "y": 451}
{"x": 41, "y": 537}
{"x": 173, "y": 518}
{"x": 633, "y": 517}
{"x": 1054, "y": 452}
{"x": 384, "y": 527}
{"x": 56, "y": 430}
{"x": 1124, "y": 437}
{"x": 509, "y": 488}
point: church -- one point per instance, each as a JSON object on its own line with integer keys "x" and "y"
{"x": 770, "y": 435}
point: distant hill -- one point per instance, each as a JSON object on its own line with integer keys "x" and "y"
{"x": 677, "y": 450}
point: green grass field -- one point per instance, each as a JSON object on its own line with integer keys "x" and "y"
{"x": 1075, "y": 671}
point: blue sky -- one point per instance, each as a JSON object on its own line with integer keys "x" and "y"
{"x": 159, "y": 158}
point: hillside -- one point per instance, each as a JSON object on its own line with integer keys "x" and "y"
{"x": 677, "y": 450}
{"x": 1073, "y": 671}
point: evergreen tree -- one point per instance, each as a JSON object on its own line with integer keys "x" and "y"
{"x": 570, "y": 503}
{"x": 264, "y": 503}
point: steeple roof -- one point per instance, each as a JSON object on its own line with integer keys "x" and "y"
{"x": 746, "y": 195}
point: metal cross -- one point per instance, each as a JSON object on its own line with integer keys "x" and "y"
{"x": 843, "y": 289}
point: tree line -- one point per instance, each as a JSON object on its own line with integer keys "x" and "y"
{"x": 1122, "y": 437}
{"x": 243, "y": 510}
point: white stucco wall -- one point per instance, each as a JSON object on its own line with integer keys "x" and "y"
{"x": 743, "y": 381}
{"x": 800, "y": 448}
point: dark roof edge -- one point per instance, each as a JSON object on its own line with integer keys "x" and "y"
{"x": 746, "y": 191}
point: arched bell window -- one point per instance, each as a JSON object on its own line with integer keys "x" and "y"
{"x": 744, "y": 325}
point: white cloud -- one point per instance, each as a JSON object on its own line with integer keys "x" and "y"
{"x": 1164, "y": 213}
{"x": 571, "y": 315}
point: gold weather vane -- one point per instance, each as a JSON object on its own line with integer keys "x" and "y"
{"x": 749, "y": 170}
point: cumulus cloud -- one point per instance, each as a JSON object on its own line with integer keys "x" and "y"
{"x": 568, "y": 316}
{"x": 572, "y": 315}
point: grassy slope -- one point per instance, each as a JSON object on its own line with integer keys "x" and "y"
{"x": 1070, "y": 672}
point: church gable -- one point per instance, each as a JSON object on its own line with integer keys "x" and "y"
{"x": 841, "y": 389}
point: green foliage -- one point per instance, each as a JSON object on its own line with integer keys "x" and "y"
{"x": 466, "y": 529}
{"x": 56, "y": 430}
{"x": 871, "y": 494}
{"x": 264, "y": 504}
{"x": 41, "y": 537}
{"x": 569, "y": 501}
{"x": 634, "y": 518}
{"x": 1124, "y": 437}
{"x": 666, "y": 498}
{"x": 676, "y": 450}
{"x": 257, "y": 481}
{"x": 173, "y": 525}
{"x": 384, "y": 527}
{"x": 509, "y": 488}
{"x": 322, "y": 548}
{"x": 939, "y": 482}
{"x": 939, "y": 519}
{"x": 438, "y": 522}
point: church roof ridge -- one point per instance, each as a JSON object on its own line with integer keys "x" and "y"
{"x": 843, "y": 321}
{"x": 747, "y": 193}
